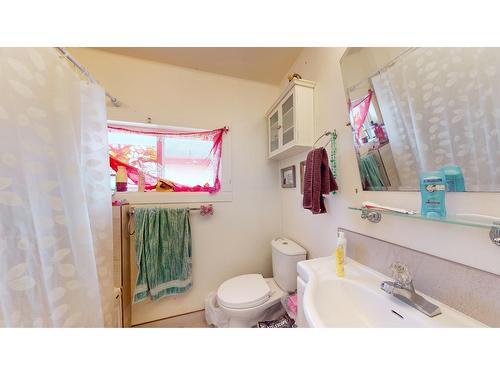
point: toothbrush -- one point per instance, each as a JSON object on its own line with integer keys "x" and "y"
{"x": 380, "y": 207}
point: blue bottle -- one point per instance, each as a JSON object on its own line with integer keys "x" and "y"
{"x": 433, "y": 189}
{"x": 454, "y": 178}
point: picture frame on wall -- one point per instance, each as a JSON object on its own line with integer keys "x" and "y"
{"x": 302, "y": 171}
{"x": 288, "y": 177}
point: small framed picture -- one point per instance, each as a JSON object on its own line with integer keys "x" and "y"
{"x": 288, "y": 177}
{"x": 302, "y": 171}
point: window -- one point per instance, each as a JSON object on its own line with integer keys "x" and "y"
{"x": 189, "y": 159}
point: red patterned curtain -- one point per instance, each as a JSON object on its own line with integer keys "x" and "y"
{"x": 190, "y": 160}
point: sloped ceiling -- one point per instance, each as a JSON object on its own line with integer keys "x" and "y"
{"x": 264, "y": 64}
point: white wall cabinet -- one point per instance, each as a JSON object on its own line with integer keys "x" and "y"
{"x": 291, "y": 120}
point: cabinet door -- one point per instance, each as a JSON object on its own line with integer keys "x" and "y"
{"x": 274, "y": 132}
{"x": 287, "y": 110}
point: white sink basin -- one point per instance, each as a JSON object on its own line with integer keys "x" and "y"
{"x": 356, "y": 300}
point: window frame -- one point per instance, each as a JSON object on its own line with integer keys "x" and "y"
{"x": 223, "y": 195}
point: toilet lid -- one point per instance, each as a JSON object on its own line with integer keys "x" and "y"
{"x": 243, "y": 292}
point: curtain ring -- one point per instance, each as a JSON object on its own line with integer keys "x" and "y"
{"x": 128, "y": 226}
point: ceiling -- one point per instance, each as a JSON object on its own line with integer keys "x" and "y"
{"x": 264, "y": 64}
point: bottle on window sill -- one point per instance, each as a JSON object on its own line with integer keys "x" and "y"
{"x": 113, "y": 182}
{"x": 121, "y": 179}
{"x": 141, "y": 182}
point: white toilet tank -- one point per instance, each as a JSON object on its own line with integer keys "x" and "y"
{"x": 286, "y": 255}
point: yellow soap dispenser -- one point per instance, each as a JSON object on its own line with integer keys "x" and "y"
{"x": 340, "y": 254}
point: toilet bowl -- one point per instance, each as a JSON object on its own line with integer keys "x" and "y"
{"x": 250, "y": 298}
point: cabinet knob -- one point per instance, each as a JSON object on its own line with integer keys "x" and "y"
{"x": 279, "y": 127}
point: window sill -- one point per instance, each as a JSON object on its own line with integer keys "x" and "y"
{"x": 152, "y": 197}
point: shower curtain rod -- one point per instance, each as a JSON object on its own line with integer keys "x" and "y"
{"x": 86, "y": 73}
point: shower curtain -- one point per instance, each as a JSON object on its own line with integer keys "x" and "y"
{"x": 440, "y": 106}
{"x": 55, "y": 202}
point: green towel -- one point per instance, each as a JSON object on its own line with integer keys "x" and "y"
{"x": 163, "y": 252}
{"x": 371, "y": 173}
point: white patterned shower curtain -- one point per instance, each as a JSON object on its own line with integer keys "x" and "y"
{"x": 55, "y": 202}
{"x": 441, "y": 106}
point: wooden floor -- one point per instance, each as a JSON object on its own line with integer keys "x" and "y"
{"x": 192, "y": 320}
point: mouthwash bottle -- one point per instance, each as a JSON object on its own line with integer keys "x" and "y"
{"x": 454, "y": 178}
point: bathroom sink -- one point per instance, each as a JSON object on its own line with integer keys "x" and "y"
{"x": 356, "y": 300}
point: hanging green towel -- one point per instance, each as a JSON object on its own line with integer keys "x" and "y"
{"x": 163, "y": 252}
{"x": 371, "y": 173}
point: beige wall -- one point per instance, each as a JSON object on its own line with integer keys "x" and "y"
{"x": 317, "y": 233}
{"x": 236, "y": 239}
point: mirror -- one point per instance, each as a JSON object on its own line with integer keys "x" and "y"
{"x": 425, "y": 109}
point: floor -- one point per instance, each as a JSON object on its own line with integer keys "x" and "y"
{"x": 191, "y": 320}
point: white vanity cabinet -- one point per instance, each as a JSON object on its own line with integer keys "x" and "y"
{"x": 291, "y": 120}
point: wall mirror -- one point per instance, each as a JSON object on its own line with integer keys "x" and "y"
{"x": 425, "y": 109}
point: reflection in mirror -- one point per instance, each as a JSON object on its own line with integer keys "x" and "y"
{"x": 415, "y": 110}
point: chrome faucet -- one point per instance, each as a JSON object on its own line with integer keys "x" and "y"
{"x": 402, "y": 288}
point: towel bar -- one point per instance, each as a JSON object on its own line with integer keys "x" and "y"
{"x": 131, "y": 212}
{"x": 205, "y": 210}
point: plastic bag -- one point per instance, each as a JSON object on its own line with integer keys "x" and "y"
{"x": 214, "y": 315}
{"x": 289, "y": 302}
{"x": 283, "y": 322}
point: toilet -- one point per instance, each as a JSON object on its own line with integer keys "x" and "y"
{"x": 247, "y": 299}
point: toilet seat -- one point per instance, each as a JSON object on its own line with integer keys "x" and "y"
{"x": 243, "y": 292}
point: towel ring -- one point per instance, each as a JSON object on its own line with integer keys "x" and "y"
{"x": 325, "y": 134}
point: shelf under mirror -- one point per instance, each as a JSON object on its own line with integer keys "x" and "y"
{"x": 375, "y": 215}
